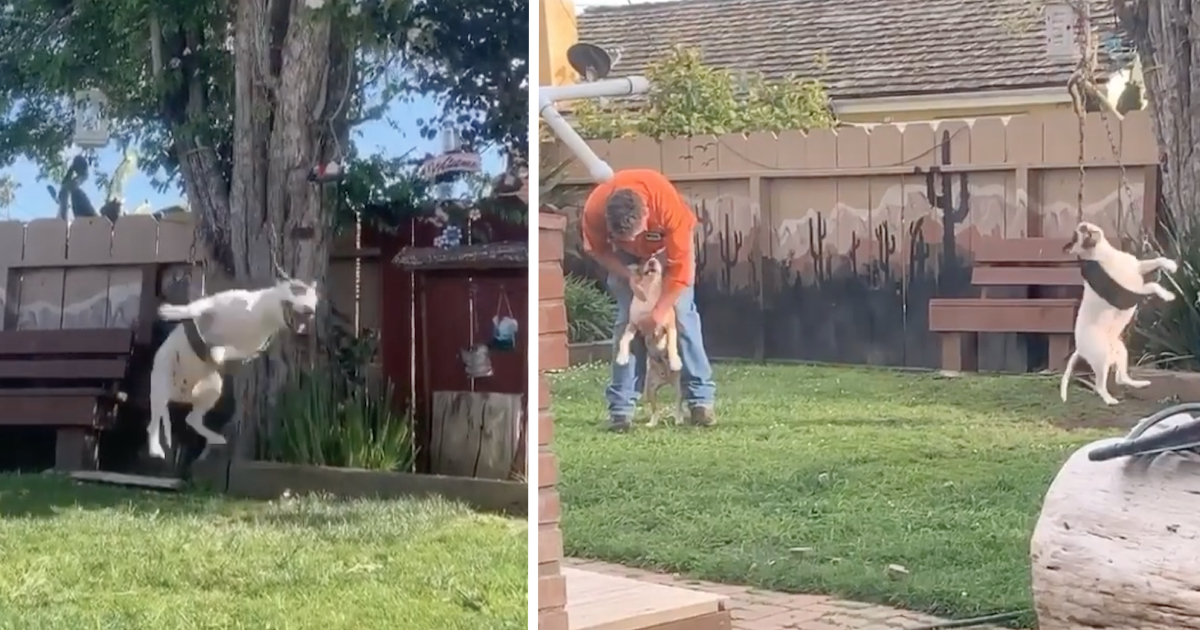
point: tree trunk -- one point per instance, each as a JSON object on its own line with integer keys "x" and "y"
{"x": 269, "y": 211}
{"x": 1168, "y": 43}
{"x": 1114, "y": 546}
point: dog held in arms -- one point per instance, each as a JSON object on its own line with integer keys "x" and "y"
{"x": 233, "y": 325}
{"x": 663, "y": 364}
{"x": 1114, "y": 282}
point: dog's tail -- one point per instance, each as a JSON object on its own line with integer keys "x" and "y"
{"x": 1066, "y": 377}
{"x": 176, "y": 312}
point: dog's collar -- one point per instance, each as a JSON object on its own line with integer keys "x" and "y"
{"x": 1107, "y": 287}
{"x": 196, "y": 341}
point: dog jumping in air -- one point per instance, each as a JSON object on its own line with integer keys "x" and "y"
{"x": 1114, "y": 283}
{"x": 233, "y": 325}
{"x": 663, "y": 364}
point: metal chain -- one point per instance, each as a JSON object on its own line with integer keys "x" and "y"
{"x": 191, "y": 260}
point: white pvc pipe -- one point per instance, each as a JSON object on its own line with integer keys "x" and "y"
{"x": 598, "y": 169}
{"x": 624, "y": 86}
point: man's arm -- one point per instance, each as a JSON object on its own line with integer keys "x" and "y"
{"x": 679, "y": 223}
{"x": 595, "y": 234}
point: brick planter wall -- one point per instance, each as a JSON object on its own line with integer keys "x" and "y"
{"x": 552, "y": 355}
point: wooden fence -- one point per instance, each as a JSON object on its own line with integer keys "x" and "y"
{"x": 832, "y": 242}
{"x": 88, "y": 273}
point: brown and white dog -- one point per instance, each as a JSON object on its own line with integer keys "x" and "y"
{"x": 663, "y": 364}
{"x": 1114, "y": 283}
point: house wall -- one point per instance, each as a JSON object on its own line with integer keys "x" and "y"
{"x": 557, "y": 34}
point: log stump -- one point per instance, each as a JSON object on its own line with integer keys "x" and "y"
{"x": 1117, "y": 544}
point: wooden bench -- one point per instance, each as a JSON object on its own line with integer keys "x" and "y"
{"x": 70, "y": 380}
{"x": 1039, "y": 267}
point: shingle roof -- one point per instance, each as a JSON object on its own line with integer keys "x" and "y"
{"x": 859, "y": 48}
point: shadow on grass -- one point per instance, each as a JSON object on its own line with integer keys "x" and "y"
{"x": 46, "y": 495}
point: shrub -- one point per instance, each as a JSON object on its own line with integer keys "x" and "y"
{"x": 1168, "y": 333}
{"x": 591, "y": 311}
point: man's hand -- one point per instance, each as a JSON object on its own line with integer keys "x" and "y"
{"x": 655, "y": 321}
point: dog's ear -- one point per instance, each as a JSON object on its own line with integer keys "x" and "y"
{"x": 1089, "y": 238}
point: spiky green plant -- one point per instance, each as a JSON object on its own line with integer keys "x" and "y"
{"x": 591, "y": 311}
{"x": 326, "y": 421}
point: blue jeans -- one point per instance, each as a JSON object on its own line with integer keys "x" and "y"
{"x": 629, "y": 380}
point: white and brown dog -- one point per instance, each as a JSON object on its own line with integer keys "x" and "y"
{"x": 1114, "y": 284}
{"x": 234, "y": 325}
{"x": 663, "y": 363}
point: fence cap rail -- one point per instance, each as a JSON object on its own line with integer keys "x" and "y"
{"x": 486, "y": 256}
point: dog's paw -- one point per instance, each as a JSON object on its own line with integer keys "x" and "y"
{"x": 217, "y": 440}
{"x": 156, "y": 450}
{"x": 622, "y": 358}
{"x": 1109, "y": 400}
{"x": 1166, "y": 295}
{"x": 675, "y": 363}
{"x": 1136, "y": 383}
{"x": 1170, "y": 266}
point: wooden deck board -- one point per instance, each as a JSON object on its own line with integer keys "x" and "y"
{"x": 122, "y": 479}
{"x": 604, "y": 602}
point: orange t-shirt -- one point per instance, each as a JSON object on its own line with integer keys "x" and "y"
{"x": 670, "y": 222}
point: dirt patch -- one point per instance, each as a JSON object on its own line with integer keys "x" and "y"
{"x": 1166, "y": 388}
{"x": 1100, "y": 416}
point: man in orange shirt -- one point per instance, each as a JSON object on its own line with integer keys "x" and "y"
{"x": 626, "y": 220}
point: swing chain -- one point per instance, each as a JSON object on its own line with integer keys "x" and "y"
{"x": 1078, "y": 104}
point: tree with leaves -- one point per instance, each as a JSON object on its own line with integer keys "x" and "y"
{"x": 237, "y": 102}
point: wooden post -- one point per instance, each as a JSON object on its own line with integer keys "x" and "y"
{"x": 552, "y": 354}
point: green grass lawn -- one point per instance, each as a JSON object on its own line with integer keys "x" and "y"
{"x": 76, "y": 557}
{"x": 817, "y": 478}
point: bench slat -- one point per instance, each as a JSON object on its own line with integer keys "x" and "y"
{"x": 1022, "y": 251}
{"x": 1027, "y": 276}
{"x": 33, "y": 392}
{"x": 78, "y": 341}
{"x": 65, "y": 369}
{"x": 1002, "y": 315}
{"x": 44, "y": 411}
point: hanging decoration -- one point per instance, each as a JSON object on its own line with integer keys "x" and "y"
{"x": 477, "y": 361}
{"x": 504, "y": 325}
{"x": 91, "y": 119}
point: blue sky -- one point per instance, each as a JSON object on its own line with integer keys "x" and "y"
{"x": 392, "y": 136}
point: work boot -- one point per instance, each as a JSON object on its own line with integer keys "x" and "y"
{"x": 702, "y": 417}
{"x": 619, "y": 424}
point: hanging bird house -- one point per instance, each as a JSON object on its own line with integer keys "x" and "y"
{"x": 91, "y": 119}
{"x": 1062, "y": 25}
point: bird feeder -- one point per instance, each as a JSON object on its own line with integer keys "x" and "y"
{"x": 91, "y": 119}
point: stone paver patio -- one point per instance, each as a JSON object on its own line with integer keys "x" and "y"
{"x": 754, "y": 609}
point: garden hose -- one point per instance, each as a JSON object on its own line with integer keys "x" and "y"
{"x": 1182, "y": 437}
{"x": 976, "y": 621}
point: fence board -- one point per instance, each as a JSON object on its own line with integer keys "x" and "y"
{"x": 12, "y": 247}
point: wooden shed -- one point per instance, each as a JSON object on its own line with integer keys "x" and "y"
{"x": 466, "y": 425}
